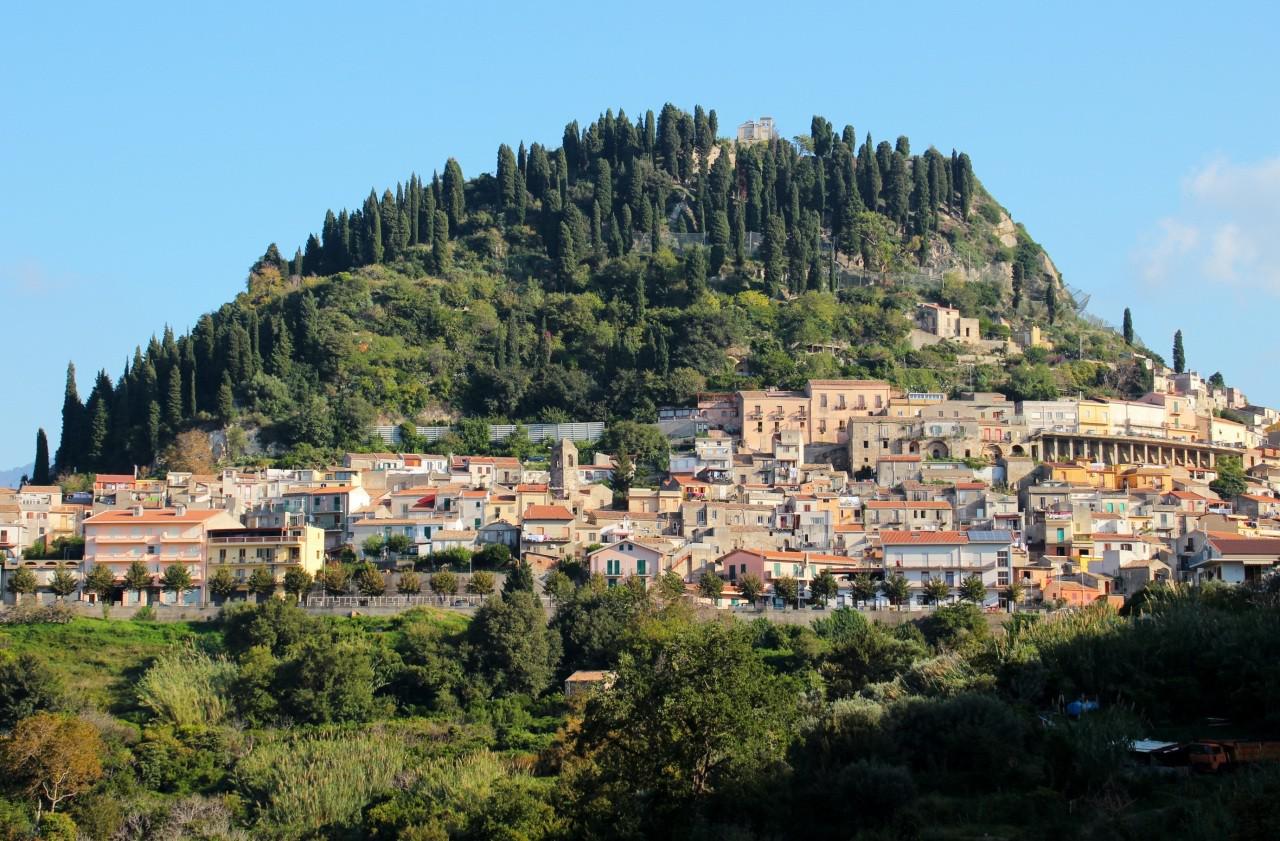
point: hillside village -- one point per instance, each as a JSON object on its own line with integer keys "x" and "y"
{"x": 846, "y": 492}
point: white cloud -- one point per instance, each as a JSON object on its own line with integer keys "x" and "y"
{"x": 1227, "y": 231}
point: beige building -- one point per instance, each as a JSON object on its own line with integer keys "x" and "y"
{"x": 947, "y": 323}
{"x": 819, "y": 413}
{"x": 156, "y": 538}
{"x": 243, "y": 551}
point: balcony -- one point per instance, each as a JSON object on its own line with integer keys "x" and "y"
{"x": 236, "y": 541}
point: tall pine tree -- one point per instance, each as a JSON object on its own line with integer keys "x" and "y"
{"x": 1179, "y": 355}
{"x": 71, "y": 448}
{"x": 1128, "y": 327}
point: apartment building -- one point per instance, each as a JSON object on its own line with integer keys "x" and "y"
{"x": 156, "y": 538}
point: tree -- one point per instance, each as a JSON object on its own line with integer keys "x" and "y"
{"x": 190, "y": 452}
{"x": 1051, "y": 301}
{"x": 100, "y": 582}
{"x": 27, "y": 686}
{"x": 398, "y": 544}
{"x": 896, "y": 589}
{"x": 63, "y": 583}
{"x": 370, "y": 582}
{"x": 693, "y": 711}
{"x": 1179, "y": 355}
{"x": 40, "y": 473}
{"x": 787, "y": 589}
{"x": 453, "y": 193}
{"x": 70, "y": 453}
{"x": 262, "y": 582}
{"x": 710, "y": 585}
{"x": 444, "y": 583}
{"x": 177, "y": 578}
{"x": 408, "y": 583}
{"x": 751, "y": 586}
{"x": 863, "y": 587}
{"x": 22, "y": 582}
{"x": 824, "y": 586}
{"x": 326, "y": 680}
{"x": 298, "y": 582}
{"x": 480, "y": 583}
{"x": 670, "y": 585}
{"x": 973, "y": 589}
{"x": 222, "y": 584}
{"x": 137, "y": 578}
{"x": 1128, "y": 327}
{"x": 937, "y": 590}
{"x": 57, "y": 756}
{"x": 226, "y": 399}
{"x": 511, "y": 645}
{"x": 1231, "y": 478}
{"x": 372, "y": 546}
{"x": 336, "y": 579}
{"x": 520, "y": 579}
{"x": 492, "y": 556}
{"x": 1015, "y": 592}
{"x": 440, "y": 243}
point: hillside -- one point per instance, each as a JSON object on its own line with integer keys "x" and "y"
{"x": 632, "y": 266}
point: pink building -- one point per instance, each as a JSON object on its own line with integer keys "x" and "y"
{"x": 632, "y": 557}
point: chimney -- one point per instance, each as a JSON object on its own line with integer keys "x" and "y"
{"x": 137, "y": 510}
{"x": 180, "y": 509}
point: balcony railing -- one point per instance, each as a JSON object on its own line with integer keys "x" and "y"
{"x": 275, "y": 541}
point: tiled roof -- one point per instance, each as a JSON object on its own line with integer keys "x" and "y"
{"x": 547, "y": 512}
{"x": 1233, "y": 544}
{"x": 922, "y": 538}
{"x": 154, "y": 515}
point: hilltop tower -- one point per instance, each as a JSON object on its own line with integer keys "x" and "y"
{"x": 564, "y": 466}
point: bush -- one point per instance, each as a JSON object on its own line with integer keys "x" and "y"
{"x": 146, "y": 613}
{"x": 955, "y": 625}
{"x": 27, "y": 686}
{"x": 322, "y": 780}
{"x": 187, "y": 687}
{"x": 972, "y": 742}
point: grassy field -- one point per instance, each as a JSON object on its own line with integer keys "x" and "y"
{"x": 100, "y": 659}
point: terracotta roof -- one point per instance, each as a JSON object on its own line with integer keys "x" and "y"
{"x": 531, "y": 488}
{"x": 931, "y": 504}
{"x": 40, "y": 489}
{"x": 905, "y": 458}
{"x": 1229, "y": 543}
{"x": 547, "y": 512}
{"x": 154, "y": 515}
{"x": 113, "y": 478}
{"x": 969, "y": 486}
{"x": 921, "y": 538}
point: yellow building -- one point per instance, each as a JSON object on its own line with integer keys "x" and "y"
{"x": 1095, "y": 417}
{"x": 278, "y": 550}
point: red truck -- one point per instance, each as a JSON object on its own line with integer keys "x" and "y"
{"x": 1211, "y": 757}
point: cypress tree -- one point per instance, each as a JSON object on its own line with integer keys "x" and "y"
{"x": 868, "y": 175}
{"x": 226, "y": 399}
{"x": 1051, "y": 300}
{"x": 1128, "y": 327}
{"x": 440, "y": 243}
{"x": 153, "y": 430}
{"x": 454, "y": 196}
{"x": 99, "y": 426}
{"x": 774, "y": 253}
{"x": 1017, "y": 285}
{"x": 71, "y": 447}
{"x": 1179, "y": 355}
{"x": 371, "y": 241}
{"x": 313, "y": 257}
{"x": 189, "y": 373}
{"x": 281, "y": 351}
{"x": 508, "y": 170}
{"x": 40, "y": 473}
{"x": 719, "y": 237}
{"x": 173, "y": 399}
{"x": 898, "y": 190}
{"x": 603, "y": 191}
{"x": 566, "y": 260}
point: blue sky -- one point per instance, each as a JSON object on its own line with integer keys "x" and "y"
{"x": 148, "y": 153}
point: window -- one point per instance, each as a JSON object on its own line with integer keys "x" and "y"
{"x": 822, "y": 401}
{"x": 640, "y": 567}
{"x": 1062, "y": 534}
{"x": 777, "y": 570}
{"x": 1002, "y": 578}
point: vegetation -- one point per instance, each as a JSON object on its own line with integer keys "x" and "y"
{"x": 272, "y": 723}
{"x": 596, "y": 280}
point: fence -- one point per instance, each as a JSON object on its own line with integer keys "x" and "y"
{"x": 574, "y": 431}
{"x": 461, "y": 602}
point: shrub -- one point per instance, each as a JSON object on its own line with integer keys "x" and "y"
{"x": 27, "y": 685}
{"x": 146, "y": 613}
{"x": 187, "y": 687}
{"x": 322, "y": 780}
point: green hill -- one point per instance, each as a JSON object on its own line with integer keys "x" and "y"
{"x": 636, "y": 264}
